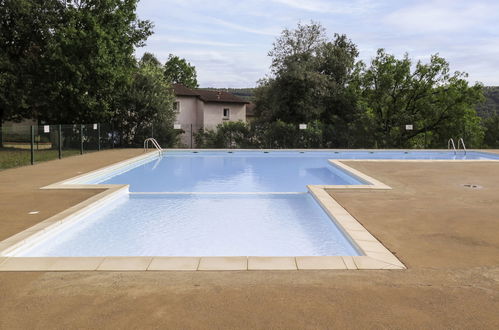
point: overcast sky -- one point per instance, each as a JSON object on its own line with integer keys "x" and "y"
{"x": 228, "y": 41}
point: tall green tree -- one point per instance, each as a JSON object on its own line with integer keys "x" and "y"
{"x": 491, "y": 125}
{"x": 26, "y": 37}
{"x": 439, "y": 104}
{"x": 150, "y": 58}
{"x": 146, "y": 106}
{"x": 311, "y": 79}
{"x": 77, "y": 56}
{"x": 178, "y": 71}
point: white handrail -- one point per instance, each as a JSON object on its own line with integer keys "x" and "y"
{"x": 154, "y": 143}
{"x": 451, "y": 143}
{"x": 460, "y": 142}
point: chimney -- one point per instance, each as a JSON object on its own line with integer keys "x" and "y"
{"x": 218, "y": 94}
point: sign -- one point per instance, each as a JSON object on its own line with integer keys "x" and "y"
{"x": 303, "y": 126}
{"x": 409, "y": 127}
{"x": 177, "y": 126}
{"x": 46, "y": 129}
{"x": 95, "y": 126}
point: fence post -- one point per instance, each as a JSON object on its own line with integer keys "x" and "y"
{"x": 32, "y": 144}
{"x": 81, "y": 139}
{"x": 60, "y": 141}
{"x": 98, "y": 137}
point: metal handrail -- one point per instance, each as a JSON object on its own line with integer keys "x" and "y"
{"x": 460, "y": 142}
{"x": 451, "y": 143}
{"x": 154, "y": 143}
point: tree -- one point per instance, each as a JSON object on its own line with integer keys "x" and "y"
{"x": 26, "y": 33}
{"x": 178, "y": 71}
{"x": 438, "y": 104}
{"x": 70, "y": 58}
{"x": 151, "y": 59}
{"x": 491, "y": 138}
{"x": 146, "y": 107}
{"x": 311, "y": 79}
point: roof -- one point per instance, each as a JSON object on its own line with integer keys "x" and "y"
{"x": 207, "y": 95}
{"x": 182, "y": 90}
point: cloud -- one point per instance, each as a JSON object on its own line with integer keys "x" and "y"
{"x": 443, "y": 16}
{"x": 262, "y": 31}
{"x": 331, "y": 7}
{"x": 193, "y": 41}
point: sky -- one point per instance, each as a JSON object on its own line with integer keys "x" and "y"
{"x": 228, "y": 41}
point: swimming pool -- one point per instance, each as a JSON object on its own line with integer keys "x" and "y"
{"x": 224, "y": 203}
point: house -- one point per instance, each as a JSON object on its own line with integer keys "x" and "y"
{"x": 205, "y": 109}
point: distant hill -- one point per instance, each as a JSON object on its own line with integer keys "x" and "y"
{"x": 491, "y": 105}
{"x": 244, "y": 93}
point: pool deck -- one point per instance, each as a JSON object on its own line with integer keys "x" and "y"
{"x": 446, "y": 235}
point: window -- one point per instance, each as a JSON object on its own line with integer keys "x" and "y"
{"x": 226, "y": 113}
{"x": 176, "y": 107}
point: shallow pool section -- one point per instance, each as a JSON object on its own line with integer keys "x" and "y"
{"x": 201, "y": 225}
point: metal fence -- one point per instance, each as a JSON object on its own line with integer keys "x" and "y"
{"x": 23, "y": 145}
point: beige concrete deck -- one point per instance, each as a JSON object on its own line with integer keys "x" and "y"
{"x": 447, "y": 236}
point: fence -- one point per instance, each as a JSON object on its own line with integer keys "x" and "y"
{"x": 24, "y": 145}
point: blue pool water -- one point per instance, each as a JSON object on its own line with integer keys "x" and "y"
{"x": 155, "y": 221}
{"x": 253, "y": 171}
{"x": 202, "y": 225}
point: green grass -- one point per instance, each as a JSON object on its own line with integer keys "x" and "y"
{"x": 10, "y": 157}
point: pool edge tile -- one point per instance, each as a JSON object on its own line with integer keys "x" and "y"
{"x": 125, "y": 264}
{"x": 321, "y": 262}
{"x": 368, "y": 263}
{"x": 272, "y": 263}
{"x": 386, "y": 257}
{"x": 30, "y": 264}
{"x": 349, "y": 263}
{"x": 174, "y": 263}
{"x": 223, "y": 263}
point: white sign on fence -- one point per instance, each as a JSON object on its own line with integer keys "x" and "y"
{"x": 46, "y": 129}
{"x": 177, "y": 126}
{"x": 303, "y": 126}
{"x": 409, "y": 127}
{"x": 95, "y": 126}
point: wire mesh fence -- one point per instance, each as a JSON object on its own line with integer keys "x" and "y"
{"x": 29, "y": 144}
{"x": 23, "y": 145}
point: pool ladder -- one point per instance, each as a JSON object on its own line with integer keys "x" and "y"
{"x": 154, "y": 143}
{"x": 460, "y": 143}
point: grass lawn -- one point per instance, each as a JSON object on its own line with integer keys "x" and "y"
{"x": 10, "y": 157}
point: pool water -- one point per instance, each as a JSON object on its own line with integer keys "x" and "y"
{"x": 202, "y": 225}
{"x": 237, "y": 172}
{"x": 253, "y": 171}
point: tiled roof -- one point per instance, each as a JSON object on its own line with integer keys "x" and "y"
{"x": 207, "y": 95}
{"x": 181, "y": 90}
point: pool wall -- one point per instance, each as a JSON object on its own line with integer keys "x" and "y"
{"x": 376, "y": 256}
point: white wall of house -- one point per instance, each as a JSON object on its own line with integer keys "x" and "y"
{"x": 187, "y": 112}
{"x": 213, "y": 113}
